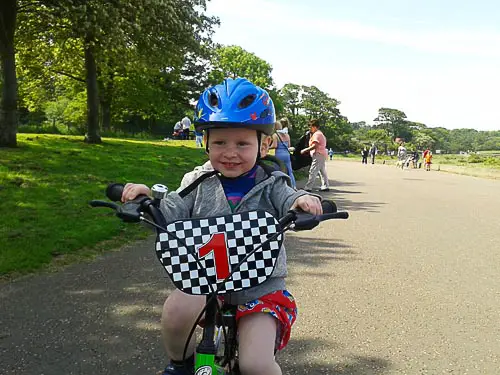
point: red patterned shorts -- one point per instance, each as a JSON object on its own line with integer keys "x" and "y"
{"x": 280, "y": 305}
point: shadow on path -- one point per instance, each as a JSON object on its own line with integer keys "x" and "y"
{"x": 94, "y": 318}
{"x": 341, "y": 196}
{"x": 316, "y": 356}
{"x": 303, "y": 251}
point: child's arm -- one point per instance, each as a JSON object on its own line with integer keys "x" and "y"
{"x": 308, "y": 203}
{"x": 285, "y": 198}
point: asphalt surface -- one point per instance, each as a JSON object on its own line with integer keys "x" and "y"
{"x": 410, "y": 284}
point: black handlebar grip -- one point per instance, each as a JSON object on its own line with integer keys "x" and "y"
{"x": 329, "y": 207}
{"x": 343, "y": 215}
{"x": 114, "y": 192}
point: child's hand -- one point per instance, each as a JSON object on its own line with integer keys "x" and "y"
{"x": 131, "y": 191}
{"x": 308, "y": 203}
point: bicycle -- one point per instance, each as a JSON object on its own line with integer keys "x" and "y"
{"x": 214, "y": 256}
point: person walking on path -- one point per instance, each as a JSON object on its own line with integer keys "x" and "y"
{"x": 199, "y": 138}
{"x": 424, "y": 154}
{"x": 330, "y": 153}
{"x": 281, "y": 143}
{"x": 373, "y": 152}
{"x": 428, "y": 160}
{"x": 416, "y": 157}
{"x": 364, "y": 156}
{"x": 317, "y": 150}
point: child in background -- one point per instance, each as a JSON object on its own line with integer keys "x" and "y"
{"x": 330, "y": 153}
{"x": 428, "y": 161}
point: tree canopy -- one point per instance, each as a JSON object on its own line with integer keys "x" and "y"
{"x": 93, "y": 67}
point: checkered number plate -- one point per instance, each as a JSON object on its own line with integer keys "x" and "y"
{"x": 220, "y": 244}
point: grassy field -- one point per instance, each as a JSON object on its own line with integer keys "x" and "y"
{"x": 47, "y": 182}
{"x": 485, "y": 164}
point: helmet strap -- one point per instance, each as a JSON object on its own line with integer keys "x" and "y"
{"x": 259, "y": 139}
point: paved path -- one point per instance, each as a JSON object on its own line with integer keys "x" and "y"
{"x": 410, "y": 284}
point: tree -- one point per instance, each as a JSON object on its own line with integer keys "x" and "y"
{"x": 8, "y": 104}
{"x": 291, "y": 96}
{"x": 393, "y": 121}
{"x": 116, "y": 38}
{"x": 423, "y": 140}
{"x": 234, "y": 61}
{"x": 319, "y": 105}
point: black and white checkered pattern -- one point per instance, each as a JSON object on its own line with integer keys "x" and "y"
{"x": 244, "y": 232}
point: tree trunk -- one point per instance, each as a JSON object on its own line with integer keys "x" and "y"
{"x": 106, "y": 114}
{"x": 105, "y": 99}
{"x": 8, "y": 104}
{"x": 92, "y": 135}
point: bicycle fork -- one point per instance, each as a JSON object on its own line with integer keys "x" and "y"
{"x": 207, "y": 360}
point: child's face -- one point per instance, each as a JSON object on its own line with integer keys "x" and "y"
{"x": 233, "y": 152}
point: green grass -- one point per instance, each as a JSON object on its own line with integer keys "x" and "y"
{"x": 47, "y": 182}
{"x": 486, "y": 160}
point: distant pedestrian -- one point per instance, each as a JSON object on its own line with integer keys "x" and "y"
{"x": 424, "y": 154}
{"x": 317, "y": 150}
{"x": 330, "y": 153}
{"x": 428, "y": 161}
{"x": 186, "y": 124}
{"x": 177, "y": 134}
{"x": 402, "y": 152}
{"x": 199, "y": 138}
{"x": 416, "y": 157}
{"x": 364, "y": 156}
{"x": 373, "y": 152}
{"x": 281, "y": 144}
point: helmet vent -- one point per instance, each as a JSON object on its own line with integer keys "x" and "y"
{"x": 246, "y": 101}
{"x": 264, "y": 113}
{"x": 214, "y": 100}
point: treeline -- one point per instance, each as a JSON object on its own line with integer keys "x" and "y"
{"x": 135, "y": 67}
{"x": 391, "y": 126}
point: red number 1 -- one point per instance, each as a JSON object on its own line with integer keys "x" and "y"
{"x": 217, "y": 245}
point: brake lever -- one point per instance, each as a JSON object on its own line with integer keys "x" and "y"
{"x": 130, "y": 212}
{"x": 334, "y": 215}
{"x": 306, "y": 221}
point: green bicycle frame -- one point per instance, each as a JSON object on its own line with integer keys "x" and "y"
{"x": 207, "y": 349}
{"x": 205, "y": 365}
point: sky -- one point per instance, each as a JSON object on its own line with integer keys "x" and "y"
{"x": 436, "y": 60}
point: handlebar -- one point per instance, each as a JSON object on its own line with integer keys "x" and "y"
{"x": 133, "y": 210}
{"x": 114, "y": 192}
{"x": 305, "y": 221}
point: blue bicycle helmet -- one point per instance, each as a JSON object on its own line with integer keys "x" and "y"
{"x": 235, "y": 103}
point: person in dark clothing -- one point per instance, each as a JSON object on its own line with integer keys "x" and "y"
{"x": 373, "y": 152}
{"x": 301, "y": 160}
{"x": 364, "y": 156}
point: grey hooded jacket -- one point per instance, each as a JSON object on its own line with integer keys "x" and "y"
{"x": 270, "y": 193}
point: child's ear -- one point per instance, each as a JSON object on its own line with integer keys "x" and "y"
{"x": 265, "y": 144}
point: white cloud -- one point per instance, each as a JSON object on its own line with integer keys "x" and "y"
{"x": 271, "y": 17}
{"x": 461, "y": 92}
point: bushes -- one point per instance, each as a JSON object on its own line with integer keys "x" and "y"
{"x": 474, "y": 158}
